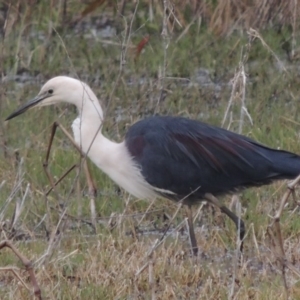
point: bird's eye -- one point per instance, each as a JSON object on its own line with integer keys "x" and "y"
{"x": 50, "y": 91}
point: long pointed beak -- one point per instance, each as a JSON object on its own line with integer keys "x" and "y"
{"x": 26, "y": 106}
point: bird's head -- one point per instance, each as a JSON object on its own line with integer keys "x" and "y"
{"x": 61, "y": 89}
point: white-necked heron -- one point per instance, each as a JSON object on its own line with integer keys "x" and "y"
{"x": 173, "y": 157}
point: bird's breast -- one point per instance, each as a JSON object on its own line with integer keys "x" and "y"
{"x": 76, "y": 130}
{"x": 116, "y": 162}
{"x": 113, "y": 159}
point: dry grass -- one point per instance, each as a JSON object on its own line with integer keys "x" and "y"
{"x": 107, "y": 266}
{"x": 222, "y": 17}
{"x": 142, "y": 68}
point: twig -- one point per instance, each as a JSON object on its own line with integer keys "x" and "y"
{"x": 28, "y": 266}
{"x": 124, "y": 49}
{"x": 14, "y": 271}
{"x": 17, "y": 186}
{"x": 254, "y": 34}
{"x": 166, "y": 39}
{"x": 155, "y": 245}
{"x": 82, "y": 157}
{"x": 19, "y": 208}
{"x": 2, "y": 184}
{"x": 237, "y": 252}
{"x": 151, "y": 279}
{"x": 294, "y": 29}
{"x": 52, "y": 241}
{"x": 274, "y": 232}
{"x": 158, "y": 242}
{"x": 239, "y": 91}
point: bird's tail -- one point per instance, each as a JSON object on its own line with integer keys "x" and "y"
{"x": 286, "y": 165}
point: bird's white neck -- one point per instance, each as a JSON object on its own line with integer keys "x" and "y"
{"x": 111, "y": 157}
{"x": 88, "y": 125}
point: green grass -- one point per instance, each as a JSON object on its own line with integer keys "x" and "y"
{"x": 103, "y": 265}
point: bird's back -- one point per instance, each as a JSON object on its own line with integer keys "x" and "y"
{"x": 185, "y": 156}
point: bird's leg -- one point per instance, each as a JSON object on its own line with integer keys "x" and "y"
{"x": 192, "y": 236}
{"x": 239, "y": 223}
{"x": 191, "y": 230}
{"x": 91, "y": 186}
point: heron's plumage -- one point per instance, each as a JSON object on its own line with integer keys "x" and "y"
{"x": 183, "y": 155}
{"x": 172, "y": 156}
{"x": 175, "y": 157}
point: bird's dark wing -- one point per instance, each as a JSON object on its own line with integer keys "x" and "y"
{"x": 186, "y": 156}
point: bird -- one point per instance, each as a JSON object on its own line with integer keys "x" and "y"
{"x": 170, "y": 157}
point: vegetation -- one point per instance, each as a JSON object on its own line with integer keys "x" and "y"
{"x": 229, "y": 63}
